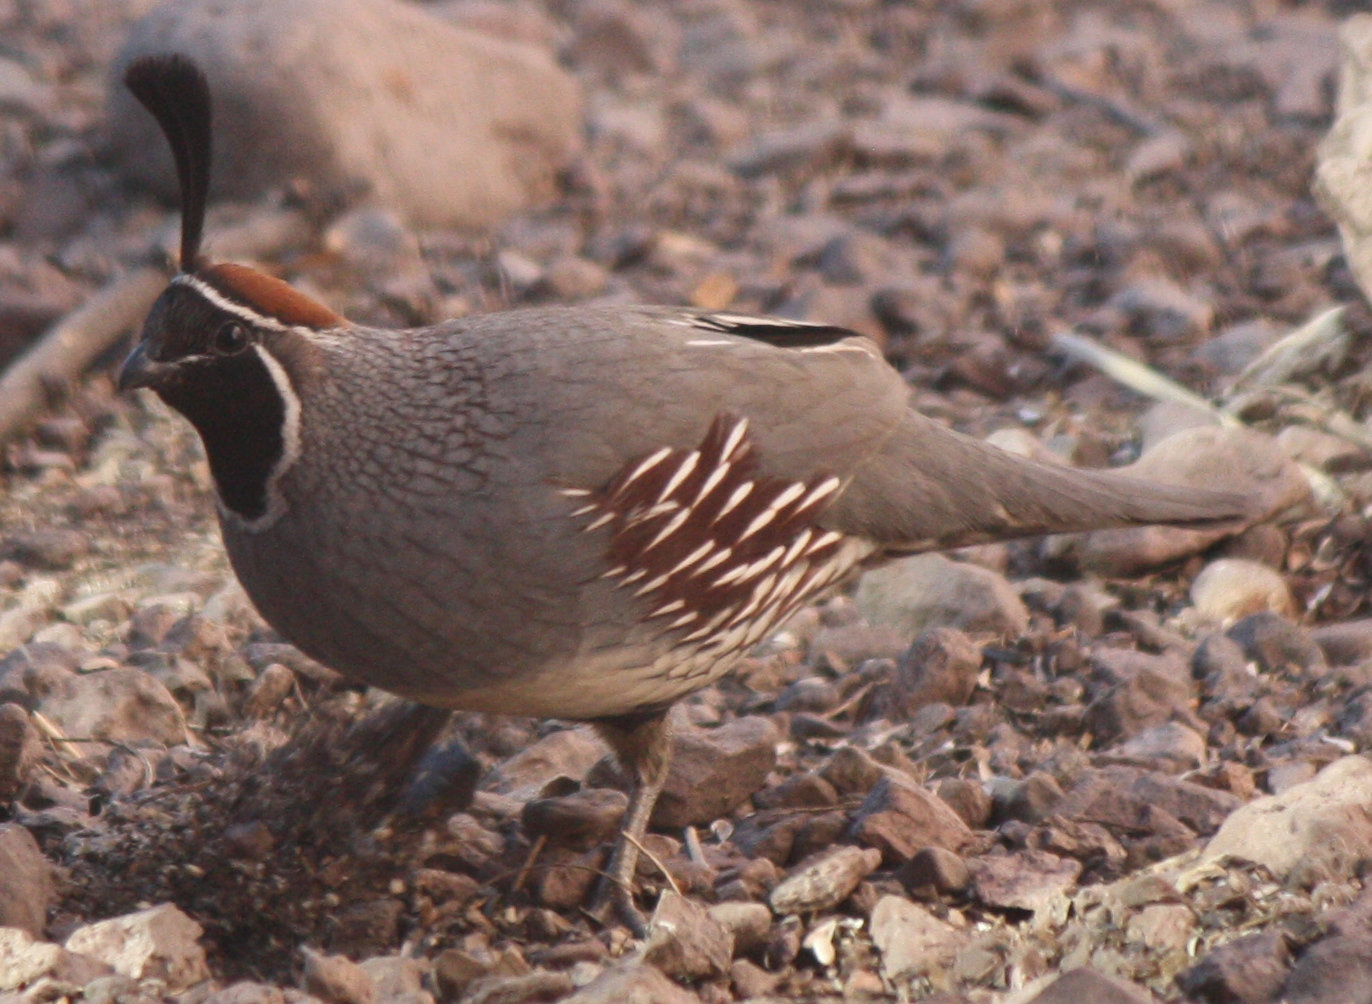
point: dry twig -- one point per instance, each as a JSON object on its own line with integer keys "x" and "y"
{"x": 68, "y": 348}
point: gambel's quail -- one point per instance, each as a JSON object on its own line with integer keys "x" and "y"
{"x": 581, "y": 513}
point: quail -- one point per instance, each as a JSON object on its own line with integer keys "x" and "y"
{"x": 583, "y": 513}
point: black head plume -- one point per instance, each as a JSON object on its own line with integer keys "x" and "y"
{"x": 174, "y": 90}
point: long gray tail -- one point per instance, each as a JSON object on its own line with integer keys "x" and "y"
{"x": 931, "y": 489}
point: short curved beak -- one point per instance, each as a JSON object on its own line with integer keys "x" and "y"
{"x": 140, "y": 369}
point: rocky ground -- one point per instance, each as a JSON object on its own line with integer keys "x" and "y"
{"x": 1112, "y": 769}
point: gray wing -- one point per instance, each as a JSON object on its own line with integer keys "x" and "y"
{"x": 819, "y": 401}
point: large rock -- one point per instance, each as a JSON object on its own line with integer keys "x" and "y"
{"x": 25, "y": 961}
{"x": 685, "y": 942}
{"x": 824, "y": 881}
{"x": 929, "y": 591}
{"x": 900, "y": 817}
{"x": 1344, "y": 169}
{"x": 448, "y": 127}
{"x": 160, "y": 943}
{"x": 911, "y": 940}
{"x": 115, "y": 705}
{"x": 1309, "y": 832}
{"x": 713, "y": 770}
{"x": 26, "y": 886}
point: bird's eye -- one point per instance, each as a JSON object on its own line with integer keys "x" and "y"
{"x": 230, "y": 339}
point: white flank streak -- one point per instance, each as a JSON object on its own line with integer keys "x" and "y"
{"x": 732, "y": 575}
{"x": 838, "y": 347}
{"x": 669, "y": 608}
{"x": 644, "y": 466}
{"x": 691, "y": 558}
{"x": 788, "y": 496}
{"x": 650, "y": 585}
{"x": 735, "y": 437}
{"x": 747, "y": 320}
{"x": 585, "y": 510}
{"x": 707, "y": 342}
{"x": 290, "y": 444}
{"x": 786, "y": 586}
{"x": 714, "y": 623}
{"x": 683, "y": 620}
{"x": 820, "y": 491}
{"x": 682, "y": 473}
{"x": 715, "y": 477}
{"x": 797, "y": 546}
{"x": 575, "y": 493}
{"x": 668, "y": 530}
{"x": 642, "y": 515}
{"x": 756, "y": 568}
{"x": 598, "y": 522}
{"x": 633, "y": 577}
{"x": 823, "y": 541}
{"x": 740, "y": 493}
{"x": 755, "y": 601}
{"x": 759, "y": 521}
{"x": 614, "y": 572}
{"x": 652, "y": 512}
{"x": 715, "y": 559}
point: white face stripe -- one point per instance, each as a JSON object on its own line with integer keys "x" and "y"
{"x": 290, "y": 449}
{"x": 245, "y": 313}
{"x": 221, "y": 301}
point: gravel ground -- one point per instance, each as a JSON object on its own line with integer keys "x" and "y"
{"x": 965, "y": 808}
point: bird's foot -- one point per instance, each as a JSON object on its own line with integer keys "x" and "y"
{"x": 614, "y": 901}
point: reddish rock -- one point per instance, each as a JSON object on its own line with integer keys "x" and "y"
{"x": 1024, "y": 880}
{"x": 899, "y": 817}
{"x": 26, "y": 885}
{"x": 1248, "y": 970}
{"x": 941, "y": 665}
{"x": 823, "y": 882}
{"x": 686, "y": 942}
{"x": 934, "y": 869}
{"x": 713, "y": 770}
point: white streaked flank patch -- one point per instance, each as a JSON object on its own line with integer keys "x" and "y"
{"x": 683, "y": 471}
{"x": 650, "y": 585}
{"x": 719, "y": 557}
{"x": 692, "y": 558}
{"x": 819, "y": 492}
{"x": 858, "y": 347}
{"x": 750, "y": 320}
{"x": 735, "y": 438}
{"x": 758, "y": 522}
{"x": 797, "y": 546}
{"x": 711, "y": 482}
{"x": 673, "y": 525}
{"x": 598, "y": 522}
{"x": 740, "y": 493}
{"x": 645, "y": 465}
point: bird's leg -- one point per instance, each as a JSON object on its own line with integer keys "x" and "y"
{"x": 643, "y": 745}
